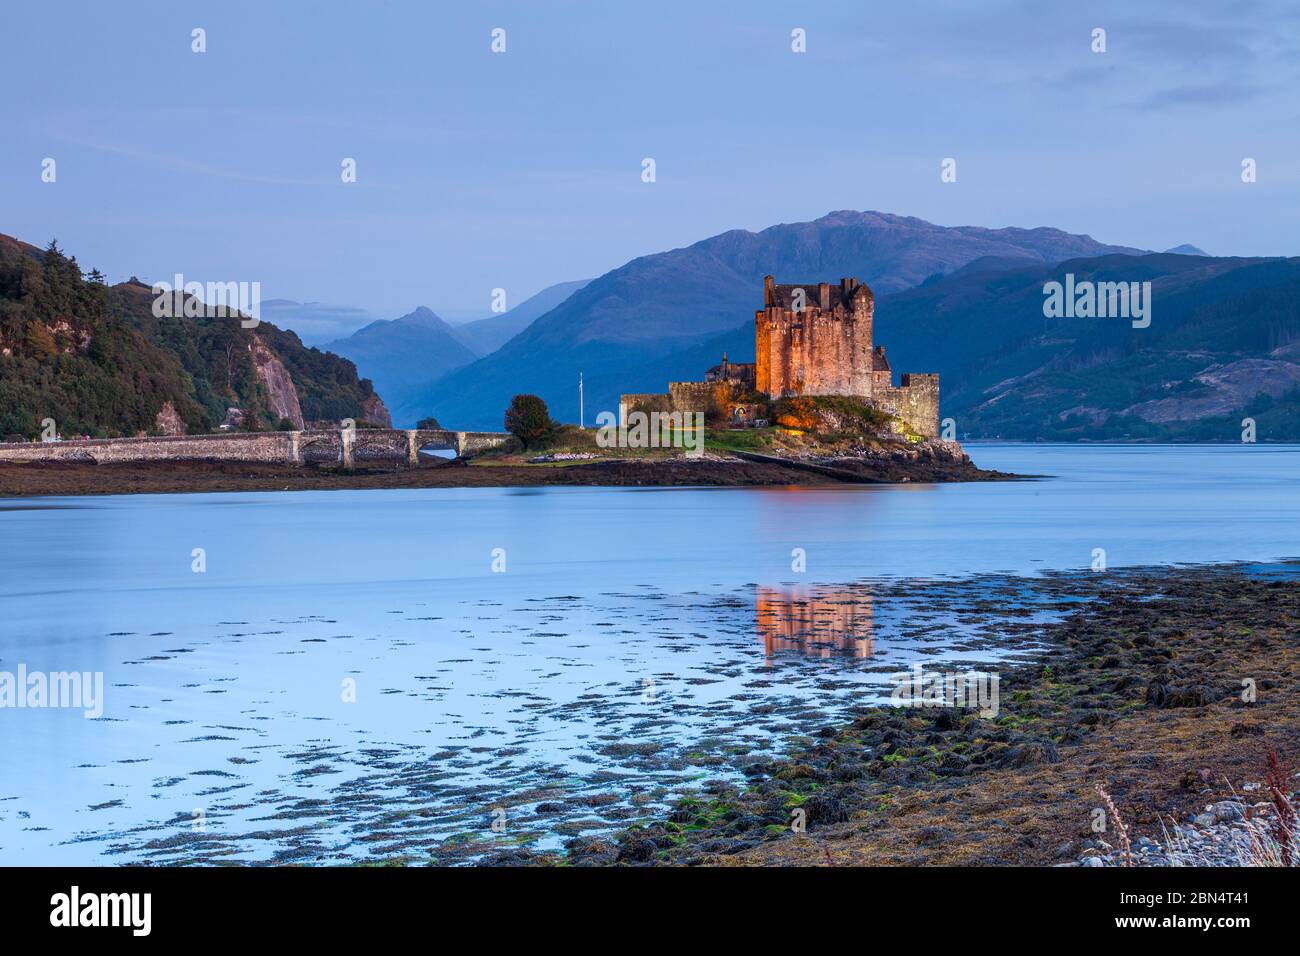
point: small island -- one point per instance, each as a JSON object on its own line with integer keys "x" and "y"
{"x": 838, "y": 448}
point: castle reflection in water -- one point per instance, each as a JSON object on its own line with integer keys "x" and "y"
{"x": 815, "y": 621}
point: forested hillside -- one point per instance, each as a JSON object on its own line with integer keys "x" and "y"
{"x": 95, "y": 360}
{"x": 1223, "y": 345}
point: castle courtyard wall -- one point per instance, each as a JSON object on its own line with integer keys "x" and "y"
{"x": 916, "y": 402}
{"x": 646, "y": 402}
{"x": 707, "y": 397}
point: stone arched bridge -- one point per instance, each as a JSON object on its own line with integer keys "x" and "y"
{"x": 347, "y": 446}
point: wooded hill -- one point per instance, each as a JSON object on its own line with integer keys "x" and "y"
{"x": 95, "y": 359}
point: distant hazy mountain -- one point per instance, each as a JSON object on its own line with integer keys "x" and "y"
{"x": 1187, "y": 249}
{"x": 621, "y": 328}
{"x": 1223, "y": 345}
{"x": 315, "y": 322}
{"x": 485, "y": 336}
{"x": 418, "y": 347}
{"x": 405, "y": 356}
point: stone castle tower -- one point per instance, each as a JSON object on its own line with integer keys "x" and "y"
{"x": 810, "y": 339}
{"x": 815, "y": 339}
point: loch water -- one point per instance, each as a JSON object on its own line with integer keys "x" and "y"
{"x": 360, "y": 675}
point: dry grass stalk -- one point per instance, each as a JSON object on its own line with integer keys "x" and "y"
{"x": 1120, "y": 828}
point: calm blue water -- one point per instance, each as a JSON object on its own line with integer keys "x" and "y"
{"x": 622, "y": 614}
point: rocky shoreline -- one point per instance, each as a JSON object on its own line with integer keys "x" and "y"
{"x": 29, "y": 479}
{"x": 1142, "y": 691}
{"x": 930, "y": 460}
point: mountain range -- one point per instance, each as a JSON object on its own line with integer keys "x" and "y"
{"x": 966, "y": 302}
{"x": 398, "y": 354}
{"x": 485, "y": 336}
{"x": 405, "y": 356}
{"x": 1223, "y": 344}
{"x": 634, "y": 327}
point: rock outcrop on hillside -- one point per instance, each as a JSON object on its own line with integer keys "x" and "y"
{"x": 1221, "y": 389}
{"x": 374, "y": 411}
{"x": 282, "y": 396}
{"x": 168, "y": 421}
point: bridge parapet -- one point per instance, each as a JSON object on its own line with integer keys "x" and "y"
{"x": 297, "y": 447}
{"x": 241, "y": 446}
{"x": 473, "y": 442}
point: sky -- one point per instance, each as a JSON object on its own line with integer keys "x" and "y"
{"x": 478, "y": 170}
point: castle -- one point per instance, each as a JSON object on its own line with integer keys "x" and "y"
{"x": 810, "y": 339}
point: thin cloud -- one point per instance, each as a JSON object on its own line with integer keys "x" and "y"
{"x": 1204, "y": 94}
{"x": 188, "y": 165}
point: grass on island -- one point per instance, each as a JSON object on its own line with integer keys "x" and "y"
{"x": 763, "y": 441}
{"x": 572, "y": 440}
{"x": 823, "y": 424}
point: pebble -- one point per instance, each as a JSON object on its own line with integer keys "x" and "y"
{"x": 1228, "y": 810}
{"x": 1221, "y": 835}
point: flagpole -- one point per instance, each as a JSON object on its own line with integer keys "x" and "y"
{"x": 582, "y": 422}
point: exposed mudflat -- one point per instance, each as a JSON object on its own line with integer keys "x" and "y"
{"x": 641, "y": 727}
{"x": 1140, "y": 689}
{"x": 559, "y": 718}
